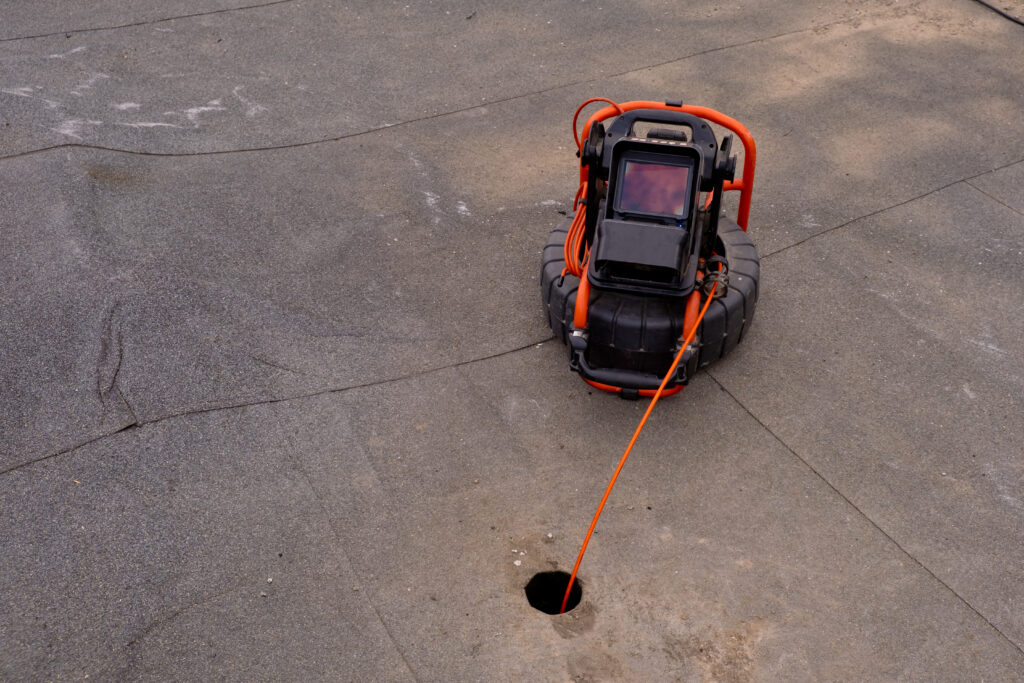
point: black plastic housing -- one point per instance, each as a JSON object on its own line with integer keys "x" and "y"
{"x": 644, "y": 252}
{"x": 643, "y": 263}
{"x": 640, "y": 333}
{"x": 726, "y": 323}
{"x": 638, "y": 256}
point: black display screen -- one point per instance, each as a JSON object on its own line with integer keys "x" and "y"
{"x": 652, "y": 188}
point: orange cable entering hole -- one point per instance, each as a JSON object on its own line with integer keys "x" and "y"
{"x": 690, "y": 334}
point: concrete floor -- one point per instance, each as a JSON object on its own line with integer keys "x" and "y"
{"x": 278, "y": 400}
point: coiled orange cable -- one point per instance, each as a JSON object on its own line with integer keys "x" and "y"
{"x": 576, "y": 251}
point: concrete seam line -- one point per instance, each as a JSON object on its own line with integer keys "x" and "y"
{"x": 175, "y": 613}
{"x": 66, "y": 450}
{"x": 452, "y": 112}
{"x": 997, "y": 200}
{"x": 948, "y": 185}
{"x": 145, "y": 23}
{"x": 269, "y": 401}
{"x": 860, "y": 512}
{"x": 352, "y": 387}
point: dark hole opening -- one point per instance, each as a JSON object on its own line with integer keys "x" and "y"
{"x": 546, "y": 590}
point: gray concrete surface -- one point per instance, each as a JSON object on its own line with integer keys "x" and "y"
{"x": 278, "y": 400}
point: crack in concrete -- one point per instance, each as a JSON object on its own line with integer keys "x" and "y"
{"x": 351, "y": 387}
{"x": 70, "y": 32}
{"x": 266, "y": 362}
{"x": 993, "y": 197}
{"x": 860, "y": 512}
{"x": 451, "y": 112}
{"x": 131, "y": 411}
{"x": 82, "y": 444}
{"x": 175, "y": 614}
{"x": 163, "y": 621}
{"x": 108, "y": 365}
{"x": 106, "y": 340}
{"x": 896, "y": 205}
{"x": 269, "y": 401}
{"x": 297, "y": 465}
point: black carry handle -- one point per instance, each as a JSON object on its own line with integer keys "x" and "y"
{"x": 702, "y": 134}
{"x": 626, "y": 379}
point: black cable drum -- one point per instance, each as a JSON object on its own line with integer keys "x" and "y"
{"x": 727, "y": 318}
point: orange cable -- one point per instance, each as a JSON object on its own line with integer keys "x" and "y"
{"x": 575, "y": 262}
{"x": 654, "y": 399}
{"x": 571, "y": 248}
{"x": 575, "y": 240}
{"x": 575, "y": 137}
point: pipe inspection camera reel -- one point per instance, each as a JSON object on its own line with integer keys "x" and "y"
{"x": 624, "y": 278}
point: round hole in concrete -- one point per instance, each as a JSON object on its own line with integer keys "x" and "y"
{"x": 546, "y": 590}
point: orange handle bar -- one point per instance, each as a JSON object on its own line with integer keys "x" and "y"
{"x": 746, "y": 182}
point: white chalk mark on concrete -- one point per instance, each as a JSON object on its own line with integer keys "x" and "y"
{"x": 808, "y": 221}
{"x": 432, "y": 199}
{"x": 1013, "y": 502}
{"x": 991, "y": 348}
{"x": 87, "y": 84}
{"x": 63, "y": 55}
{"x": 251, "y": 108}
{"x": 149, "y": 124}
{"x": 417, "y": 164}
{"x": 192, "y": 113}
{"x": 1008, "y": 493}
{"x": 29, "y": 93}
{"x": 125, "y": 106}
{"x": 73, "y": 127}
{"x": 462, "y": 208}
